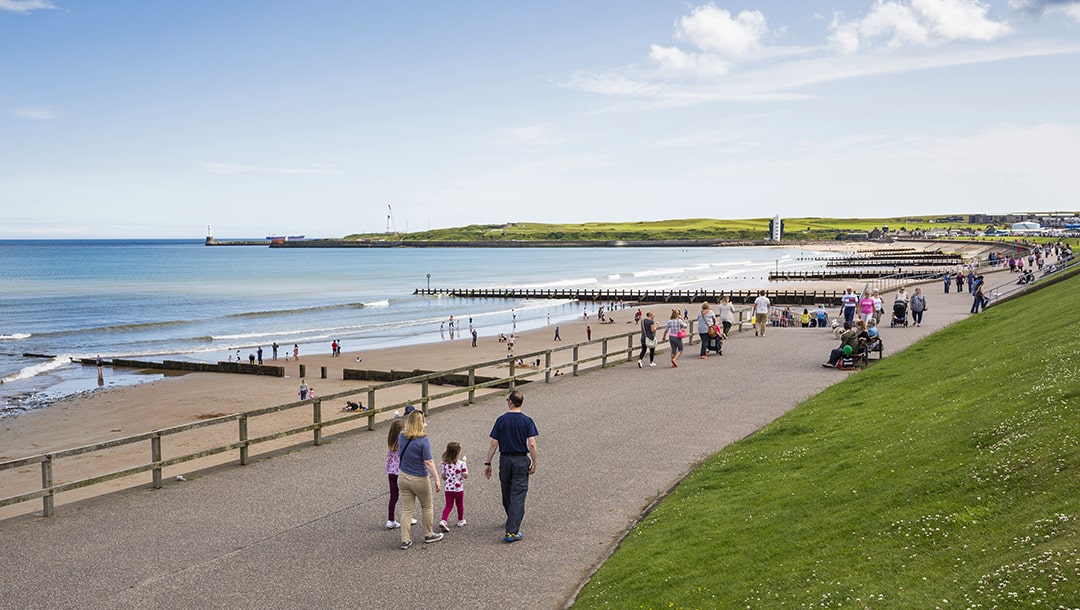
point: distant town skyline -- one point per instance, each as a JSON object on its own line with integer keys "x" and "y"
{"x": 135, "y": 119}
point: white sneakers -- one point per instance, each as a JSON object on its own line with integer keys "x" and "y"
{"x": 443, "y": 526}
{"x": 461, "y": 523}
{"x": 391, "y": 525}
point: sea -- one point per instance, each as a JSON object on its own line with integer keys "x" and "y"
{"x": 180, "y": 299}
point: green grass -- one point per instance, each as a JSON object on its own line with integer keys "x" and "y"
{"x": 795, "y": 229}
{"x": 945, "y": 476}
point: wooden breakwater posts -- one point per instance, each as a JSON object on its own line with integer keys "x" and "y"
{"x": 809, "y": 276}
{"x": 782, "y": 297}
{"x": 574, "y": 358}
{"x": 191, "y": 367}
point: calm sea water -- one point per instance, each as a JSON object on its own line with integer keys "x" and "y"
{"x": 181, "y": 299}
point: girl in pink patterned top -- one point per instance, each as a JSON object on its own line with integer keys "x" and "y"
{"x": 393, "y": 467}
{"x": 454, "y": 473}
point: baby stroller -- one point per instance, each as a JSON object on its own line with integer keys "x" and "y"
{"x": 899, "y": 314}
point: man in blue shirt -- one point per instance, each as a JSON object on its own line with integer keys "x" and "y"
{"x": 514, "y": 437}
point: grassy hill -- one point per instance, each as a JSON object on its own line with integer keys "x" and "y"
{"x": 692, "y": 228}
{"x": 945, "y": 476}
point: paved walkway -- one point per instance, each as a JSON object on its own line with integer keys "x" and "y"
{"x": 305, "y": 529}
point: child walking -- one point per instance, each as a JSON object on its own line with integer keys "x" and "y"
{"x": 454, "y": 472}
{"x": 393, "y": 467}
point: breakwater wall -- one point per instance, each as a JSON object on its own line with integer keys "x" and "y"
{"x": 540, "y": 243}
{"x": 193, "y": 367}
{"x": 778, "y": 297}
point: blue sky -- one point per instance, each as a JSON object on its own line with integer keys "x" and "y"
{"x": 154, "y": 119}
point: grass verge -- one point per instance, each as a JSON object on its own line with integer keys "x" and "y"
{"x": 945, "y": 476}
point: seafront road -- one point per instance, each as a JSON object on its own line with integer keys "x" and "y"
{"x": 305, "y": 529}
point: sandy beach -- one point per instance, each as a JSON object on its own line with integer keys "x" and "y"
{"x": 178, "y": 399}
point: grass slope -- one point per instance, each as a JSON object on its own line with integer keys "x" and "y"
{"x": 945, "y": 476}
{"x": 689, "y": 228}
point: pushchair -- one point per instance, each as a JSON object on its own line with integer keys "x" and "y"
{"x": 899, "y": 314}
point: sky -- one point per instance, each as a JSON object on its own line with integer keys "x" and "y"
{"x": 125, "y": 119}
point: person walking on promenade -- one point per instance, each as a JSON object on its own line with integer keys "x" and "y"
{"x": 980, "y": 299}
{"x": 850, "y": 301}
{"x": 866, "y": 306}
{"x": 959, "y": 282}
{"x": 761, "y": 314}
{"x": 879, "y": 306}
{"x": 393, "y": 467}
{"x": 454, "y": 472}
{"x": 414, "y": 454}
{"x": 674, "y": 331}
{"x": 705, "y": 321}
{"x": 727, "y": 314}
{"x": 648, "y": 339}
{"x": 947, "y": 278}
{"x": 918, "y": 306}
{"x": 514, "y": 437}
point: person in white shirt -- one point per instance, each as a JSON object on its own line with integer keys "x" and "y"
{"x": 761, "y": 314}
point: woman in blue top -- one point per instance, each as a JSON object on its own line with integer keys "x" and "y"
{"x": 414, "y": 450}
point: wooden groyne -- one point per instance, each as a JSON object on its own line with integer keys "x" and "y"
{"x": 785, "y": 297}
{"x": 828, "y": 276}
{"x": 192, "y": 367}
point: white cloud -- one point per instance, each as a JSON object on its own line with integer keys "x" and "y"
{"x": 38, "y": 113}
{"x": 236, "y": 168}
{"x": 895, "y": 24}
{"x": 718, "y": 37}
{"x": 25, "y": 6}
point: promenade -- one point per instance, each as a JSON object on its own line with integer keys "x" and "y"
{"x": 306, "y": 528}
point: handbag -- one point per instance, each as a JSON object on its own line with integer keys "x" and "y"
{"x": 680, "y": 334}
{"x": 650, "y": 343}
{"x": 712, "y": 331}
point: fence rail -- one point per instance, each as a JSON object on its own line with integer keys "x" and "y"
{"x": 609, "y": 353}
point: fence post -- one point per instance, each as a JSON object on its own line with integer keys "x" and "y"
{"x": 424, "y": 396}
{"x": 603, "y": 353}
{"x": 371, "y": 405}
{"x": 243, "y": 439}
{"x": 575, "y": 360}
{"x": 155, "y": 457}
{"x": 629, "y": 347}
{"x": 316, "y": 417}
{"x": 472, "y": 384}
{"x": 513, "y": 369}
{"x": 547, "y": 366}
{"x": 46, "y": 484}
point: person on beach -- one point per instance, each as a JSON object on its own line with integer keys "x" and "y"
{"x": 259, "y": 352}
{"x": 454, "y": 472}
{"x": 303, "y": 390}
{"x": 474, "y": 335}
{"x": 761, "y": 314}
{"x": 514, "y": 437}
{"x": 706, "y": 320}
{"x": 588, "y": 332}
{"x": 850, "y": 302}
{"x": 510, "y": 343}
{"x": 648, "y": 339}
{"x": 393, "y": 467}
{"x": 274, "y": 347}
{"x": 674, "y": 331}
{"x": 557, "y": 337}
{"x": 918, "y": 306}
{"x": 295, "y": 352}
{"x": 726, "y": 311}
{"x": 415, "y": 464}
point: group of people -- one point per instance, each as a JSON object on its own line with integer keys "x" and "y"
{"x": 712, "y": 328}
{"x": 411, "y": 469}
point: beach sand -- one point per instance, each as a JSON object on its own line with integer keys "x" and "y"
{"x": 113, "y": 413}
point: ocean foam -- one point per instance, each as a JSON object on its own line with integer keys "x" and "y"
{"x": 38, "y": 369}
{"x": 15, "y": 337}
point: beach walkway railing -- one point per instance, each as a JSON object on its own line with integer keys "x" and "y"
{"x": 575, "y": 358}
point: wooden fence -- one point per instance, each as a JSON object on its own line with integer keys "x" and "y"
{"x": 576, "y": 363}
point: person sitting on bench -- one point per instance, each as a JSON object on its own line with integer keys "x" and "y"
{"x": 850, "y": 338}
